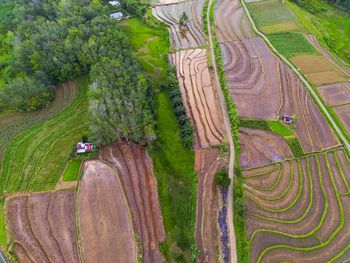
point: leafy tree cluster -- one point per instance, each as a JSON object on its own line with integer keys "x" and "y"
{"x": 184, "y": 122}
{"x": 222, "y": 179}
{"x": 55, "y": 41}
{"x": 134, "y": 7}
{"x": 313, "y": 8}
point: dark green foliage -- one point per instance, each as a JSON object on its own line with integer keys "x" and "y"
{"x": 255, "y": 124}
{"x": 183, "y": 121}
{"x": 26, "y": 94}
{"x": 222, "y": 179}
{"x": 183, "y": 19}
{"x": 134, "y": 7}
{"x": 309, "y": 6}
{"x": 295, "y": 146}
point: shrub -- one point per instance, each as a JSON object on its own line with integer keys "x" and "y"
{"x": 222, "y": 179}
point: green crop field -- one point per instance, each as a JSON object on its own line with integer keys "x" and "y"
{"x": 291, "y": 44}
{"x": 274, "y": 16}
{"x": 35, "y": 159}
{"x": 173, "y": 163}
{"x": 72, "y": 171}
{"x": 280, "y": 128}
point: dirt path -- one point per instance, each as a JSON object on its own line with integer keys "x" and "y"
{"x": 231, "y": 231}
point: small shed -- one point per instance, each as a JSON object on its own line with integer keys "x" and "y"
{"x": 114, "y": 3}
{"x": 287, "y": 119}
{"x": 84, "y": 147}
{"x": 117, "y": 15}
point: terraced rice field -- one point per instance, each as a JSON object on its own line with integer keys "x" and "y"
{"x": 199, "y": 96}
{"x": 42, "y": 227}
{"x": 170, "y": 15}
{"x": 261, "y": 147}
{"x": 231, "y": 22}
{"x": 105, "y": 227}
{"x": 297, "y": 209}
{"x": 274, "y": 16}
{"x": 335, "y": 94}
{"x": 135, "y": 171}
{"x": 36, "y": 157}
{"x": 208, "y": 162}
{"x": 13, "y": 123}
{"x": 318, "y": 69}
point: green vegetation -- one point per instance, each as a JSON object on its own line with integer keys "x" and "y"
{"x": 291, "y": 44}
{"x": 255, "y": 124}
{"x": 274, "y": 16}
{"x": 2, "y": 222}
{"x": 280, "y": 128}
{"x": 331, "y": 25}
{"x": 173, "y": 163}
{"x": 295, "y": 146}
{"x": 72, "y": 171}
{"x": 36, "y": 158}
{"x": 222, "y": 179}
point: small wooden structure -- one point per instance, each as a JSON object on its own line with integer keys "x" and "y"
{"x": 287, "y": 119}
{"x": 84, "y": 147}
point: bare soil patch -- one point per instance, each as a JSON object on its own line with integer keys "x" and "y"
{"x": 261, "y": 147}
{"x": 105, "y": 227}
{"x": 135, "y": 172}
{"x": 335, "y": 94}
{"x": 343, "y": 112}
{"x": 42, "y": 226}
{"x": 199, "y": 96}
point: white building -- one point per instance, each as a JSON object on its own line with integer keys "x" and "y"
{"x": 117, "y": 15}
{"x": 114, "y": 3}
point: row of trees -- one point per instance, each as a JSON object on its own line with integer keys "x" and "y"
{"x": 55, "y": 41}
{"x": 310, "y": 6}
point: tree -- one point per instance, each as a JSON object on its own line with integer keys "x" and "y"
{"x": 183, "y": 19}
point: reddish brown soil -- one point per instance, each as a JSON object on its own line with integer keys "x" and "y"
{"x": 252, "y": 172}
{"x": 322, "y": 169}
{"x": 199, "y": 96}
{"x": 207, "y": 234}
{"x": 135, "y": 171}
{"x": 170, "y": 14}
{"x": 261, "y": 147}
{"x": 343, "y": 112}
{"x": 335, "y": 94}
{"x": 42, "y": 227}
{"x": 266, "y": 179}
{"x": 231, "y": 22}
{"x": 105, "y": 227}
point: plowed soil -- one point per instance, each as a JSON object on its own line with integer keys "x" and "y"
{"x": 311, "y": 229}
{"x": 42, "y": 227}
{"x": 199, "y": 96}
{"x": 170, "y": 15}
{"x": 207, "y": 233}
{"x": 105, "y": 227}
{"x": 135, "y": 171}
{"x": 343, "y": 113}
{"x": 261, "y": 147}
{"x": 335, "y": 94}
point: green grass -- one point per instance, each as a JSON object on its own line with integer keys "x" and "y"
{"x": 274, "y": 16}
{"x": 255, "y": 124}
{"x": 291, "y": 44}
{"x": 36, "y": 158}
{"x": 295, "y": 146}
{"x": 331, "y": 25}
{"x": 173, "y": 163}
{"x": 72, "y": 171}
{"x": 2, "y": 223}
{"x": 280, "y": 128}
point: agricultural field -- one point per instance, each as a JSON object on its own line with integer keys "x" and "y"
{"x": 296, "y": 209}
{"x": 189, "y": 37}
{"x": 42, "y": 227}
{"x": 208, "y": 162}
{"x": 103, "y": 216}
{"x": 135, "y": 171}
{"x": 35, "y": 159}
{"x": 274, "y": 16}
{"x": 199, "y": 96}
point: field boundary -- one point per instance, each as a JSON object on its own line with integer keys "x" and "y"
{"x": 310, "y": 89}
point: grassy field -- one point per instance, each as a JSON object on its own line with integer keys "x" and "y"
{"x": 331, "y": 25}
{"x": 280, "y": 128}
{"x": 291, "y": 44}
{"x": 173, "y": 164}
{"x": 35, "y": 159}
{"x": 274, "y": 16}
{"x": 72, "y": 171}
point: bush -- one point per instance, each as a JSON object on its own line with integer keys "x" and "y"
{"x": 222, "y": 179}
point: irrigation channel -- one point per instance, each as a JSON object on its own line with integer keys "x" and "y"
{"x": 231, "y": 230}
{"x": 313, "y": 94}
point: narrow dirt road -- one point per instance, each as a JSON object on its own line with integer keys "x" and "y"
{"x": 231, "y": 230}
